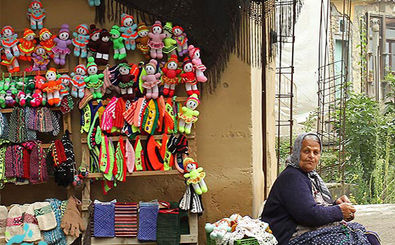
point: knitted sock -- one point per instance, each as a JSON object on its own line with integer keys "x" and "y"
{"x": 104, "y": 220}
{"x": 148, "y": 215}
{"x": 14, "y": 222}
{"x": 125, "y": 219}
{"x": 31, "y": 220}
{"x": 3, "y": 220}
{"x": 45, "y": 216}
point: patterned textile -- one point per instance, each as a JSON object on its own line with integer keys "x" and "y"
{"x": 191, "y": 201}
{"x": 14, "y": 161}
{"x": 104, "y": 220}
{"x": 168, "y": 227}
{"x": 125, "y": 219}
{"x": 17, "y": 131}
{"x": 55, "y": 236}
{"x": 148, "y": 216}
{"x": 38, "y": 165}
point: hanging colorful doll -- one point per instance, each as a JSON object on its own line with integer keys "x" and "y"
{"x": 151, "y": 80}
{"x": 94, "y": 39}
{"x": 182, "y": 40}
{"x": 170, "y": 76}
{"x": 94, "y": 81}
{"x": 11, "y": 64}
{"x": 52, "y": 87}
{"x": 194, "y": 55}
{"x": 39, "y": 97}
{"x": 128, "y": 29}
{"x": 188, "y": 115}
{"x": 77, "y": 91}
{"x": 155, "y": 43}
{"x": 40, "y": 59}
{"x": 142, "y": 40}
{"x": 195, "y": 176}
{"x": 64, "y": 86}
{"x": 9, "y": 41}
{"x": 80, "y": 40}
{"x": 47, "y": 40}
{"x": 26, "y": 45}
{"x": 170, "y": 44}
{"x": 36, "y": 14}
{"x": 126, "y": 80}
{"x": 188, "y": 77}
{"x": 62, "y": 41}
{"x": 119, "y": 47}
{"x": 103, "y": 48}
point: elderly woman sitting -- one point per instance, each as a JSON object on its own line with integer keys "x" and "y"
{"x": 300, "y": 209}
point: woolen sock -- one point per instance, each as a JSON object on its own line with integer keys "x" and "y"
{"x": 45, "y": 216}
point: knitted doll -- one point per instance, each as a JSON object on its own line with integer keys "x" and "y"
{"x": 182, "y": 40}
{"x": 62, "y": 41}
{"x": 80, "y": 40}
{"x": 94, "y": 81}
{"x": 77, "y": 91}
{"x": 195, "y": 176}
{"x": 128, "y": 29}
{"x": 151, "y": 80}
{"x": 64, "y": 86}
{"x": 189, "y": 77}
{"x": 52, "y": 87}
{"x": 9, "y": 41}
{"x": 40, "y": 59}
{"x": 194, "y": 55}
{"x": 119, "y": 47}
{"x": 142, "y": 40}
{"x": 170, "y": 76}
{"x": 36, "y": 14}
{"x": 188, "y": 115}
{"x": 39, "y": 98}
{"x": 47, "y": 40}
{"x": 156, "y": 36}
{"x": 170, "y": 44}
{"x": 26, "y": 45}
{"x": 11, "y": 64}
{"x": 103, "y": 48}
{"x": 94, "y": 39}
{"x": 125, "y": 79}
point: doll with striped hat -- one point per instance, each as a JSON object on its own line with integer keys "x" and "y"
{"x": 80, "y": 40}
{"x": 52, "y": 87}
{"x": 36, "y": 14}
{"x": 142, "y": 39}
{"x": 47, "y": 41}
{"x": 77, "y": 81}
{"x": 94, "y": 81}
{"x": 9, "y": 41}
{"x": 129, "y": 31}
{"x": 26, "y": 44}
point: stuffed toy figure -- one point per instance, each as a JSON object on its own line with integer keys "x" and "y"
{"x": 39, "y": 98}
{"x": 170, "y": 76}
{"x": 94, "y": 3}
{"x": 125, "y": 79}
{"x": 181, "y": 39}
{"x": 47, "y": 41}
{"x": 80, "y": 40}
{"x": 62, "y": 41}
{"x": 9, "y": 41}
{"x": 188, "y": 115}
{"x": 29, "y": 90}
{"x": 194, "y": 55}
{"x": 77, "y": 81}
{"x": 40, "y": 59}
{"x": 142, "y": 40}
{"x": 170, "y": 44}
{"x": 117, "y": 40}
{"x": 155, "y": 43}
{"x": 195, "y": 176}
{"x": 94, "y": 39}
{"x": 36, "y": 14}
{"x": 151, "y": 80}
{"x": 103, "y": 48}
{"x": 64, "y": 86}
{"x": 52, "y": 87}
{"x": 128, "y": 29}
{"x": 11, "y": 64}
{"x": 26, "y": 45}
{"x": 94, "y": 81}
{"x": 188, "y": 77}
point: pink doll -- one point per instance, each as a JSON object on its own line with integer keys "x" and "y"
{"x": 194, "y": 54}
{"x": 195, "y": 176}
{"x": 80, "y": 40}
{"x": 62, "y": 41}
{"x": 189, "y": 78}
{"x": 151, "y": 80}
{"x": 36, "y": 14}
{"x": 129, "y": 31}
{"x": 155, "y": 43}
{"x": 9, "y": 41}
{"x": 52, "y": 87}
{"x": 40, "y": 59}
{"x": 170, "y": 76}
{"x": 78, "y": 83}
{"x": 181, "y": 39}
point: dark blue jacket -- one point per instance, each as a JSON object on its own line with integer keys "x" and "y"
{"x": 291, "y": 202}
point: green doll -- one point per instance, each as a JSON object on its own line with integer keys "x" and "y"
{"x": 188, "y": 115}
{"x": 119, "y": 46}
{"x": 94, "y": 81}
{"x": 170, "y": 44}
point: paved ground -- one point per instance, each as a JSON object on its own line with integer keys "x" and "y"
{"x": 379, "y": 218}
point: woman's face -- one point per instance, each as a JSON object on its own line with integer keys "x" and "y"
{"x": 310, "y": 155}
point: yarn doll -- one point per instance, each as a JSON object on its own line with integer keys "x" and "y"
{"x": 93, "y": 42}
{"x": 170, "y": 76}
{"x": 77, "y": 81}
{"x": 47, "y": 40}
{"x": 52, "y": 87}
{"x": 64, "y": 86}
{"x": 39, "y": 98}
{"x": 155, "y": 43}
{"x": 80, "y": 40}
{"x": 125, "y": 79}
{"x": 194, "y": 55}
{"x": 103, "y": 48}
{"x": 36, "y": 14}
{"x": 181, "y": 39}
{"x": 11, "y": 64}
{"x": 117, "y": 40}
{"x": 40, "y": 59}
{"x": 128, "y": 29}
{"x": 62, "y": 41}
{"x": 151, "y": 80}
{"x": 9, "y": 41}
{"x": 195, "y": 176}
{"x": 142, "y": 40}
{"x": 170, "y": 44}
{"x": 94, "y": 81}
{"x": 26, "y": 45}
{"x": 189, "y": 77}
{"x": 188, "y": 115}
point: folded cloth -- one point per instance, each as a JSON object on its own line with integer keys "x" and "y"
{"x": 56, "y": 235}
{"x": 148, "y": 215}
{"x": 45, "y": 216}
{"x": 31, "y": 220}
{"x": 104, "y": 219}
{"x": 125, "y": 219}
{"x": 168, "y": 227}
{"x": 14, "y": 222}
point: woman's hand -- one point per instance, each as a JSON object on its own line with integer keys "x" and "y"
{"x": 348, "y": 211}
{"x": 343, "y": 199}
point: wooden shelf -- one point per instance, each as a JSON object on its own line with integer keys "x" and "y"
{"x": 142, "y": 137}
{"x": 9, "y": 110}
{"x": 139, "y": 173}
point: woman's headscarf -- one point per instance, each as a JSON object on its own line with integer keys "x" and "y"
{"x": 294, "y": 159}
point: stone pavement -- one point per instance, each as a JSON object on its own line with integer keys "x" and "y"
{"x": 379, "y": 218}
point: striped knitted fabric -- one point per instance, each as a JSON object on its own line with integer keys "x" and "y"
{"x": 168, "y": 227}
{"x": 104, "y": 220}
{"x": 55, "y": 236}
{"x": 125, "y": 219}
{"x": 148, "y": 216}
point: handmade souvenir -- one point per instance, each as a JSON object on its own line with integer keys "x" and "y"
{"x": 47, "y": 40}
{"x": 94, "y": 39}
{"x": 39, "y": 98}
{"x": 188, "y": 115}
{"x": 170, "y": 44}
{"x": 9, "y": 41}
{"x": 126, "y": 80}
{"x": 62, "y": 41}
{"x": 94, "y": 3}
{"x": 195, "y": 176}
{"x": 181, "y": 39}
{"x": 103, "y": 48}
{"x": 64, "y": 86}
{"x": 142, "y": 39}
{"x": 194, "y": 55}
{"x": 128, "y": 29}
{"x": 26, "y": 45}
{"x": 94, "y": 81}
{"x": 77, "y": 81}
{"x": 170, "y": 76}
{"x": 11, "y": 64}
{"x": 80, "y": 40}
{"x": 36, "y": 14}
{"x": 155, "y": 43}
{"x": 119, "y": 47}
{"x": 188, "y": 77}
{"x": 29, "y": 90}
{"x": 52, "y": 87}
{"x": 40, "y": 59}
{"x": 151, "y": 80}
